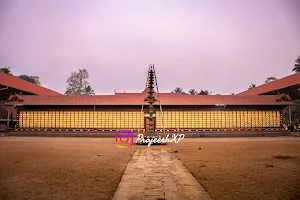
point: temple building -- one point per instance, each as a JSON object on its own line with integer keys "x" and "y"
{"x": 188, "y": 113}
{"x": 123, "y": 111}
{"x": 9, "y": 85}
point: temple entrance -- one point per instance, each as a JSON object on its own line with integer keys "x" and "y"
{"x": 147, "y": 121}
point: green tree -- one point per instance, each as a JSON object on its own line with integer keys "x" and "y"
{"x": 177, "y": 90}
{"x": 193, "y": 92}
{"x": 78, "y": 84}
{"x": 204, "y": 92}
{"x": 251, "y": 86}
{"x": 5, "y": 70}
{"x": 32, "y": 79}
{"x": 270, "y": 79}
{"x": 297, "y": 65}
{"x": 88, "y": 90}
{"x": 295, "y": 112}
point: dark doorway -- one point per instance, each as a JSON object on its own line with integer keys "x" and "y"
{"x": 147, "y": 121}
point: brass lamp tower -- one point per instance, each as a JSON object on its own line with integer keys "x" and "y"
{"x": 150, "y": 99}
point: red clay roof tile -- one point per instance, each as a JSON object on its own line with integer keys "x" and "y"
{"x": 17, "y": 83}
{"x": 274, "y": 85}
{"x": 165, "y": 99}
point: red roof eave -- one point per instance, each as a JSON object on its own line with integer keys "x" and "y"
{"x": 282, "y": 83}
{"x": 165, "y": 99}
{"x": 20, "y": 84}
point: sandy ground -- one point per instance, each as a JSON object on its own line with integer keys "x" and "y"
{"x": 244, "y": 168}
{"x": 91, "y": 168}
{"x": 60, "y": 168}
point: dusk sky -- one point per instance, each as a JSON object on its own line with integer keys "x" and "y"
{"x": 222, "y": 46}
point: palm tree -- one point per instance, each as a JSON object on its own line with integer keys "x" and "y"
{"x": 204, "y": 92}
{"x": 193, "y": 92}
{"x": 251, "y": 86}
{"x": 88, "y": 90}
{"x": 297, "y": 65}
{"x": 177, "y": 90}
{"x": 270, "y": 79}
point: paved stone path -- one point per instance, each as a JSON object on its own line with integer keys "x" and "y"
{"x": 157, "y": 174}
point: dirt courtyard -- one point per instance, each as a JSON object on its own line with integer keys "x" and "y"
{"x": 91, "y": 168}
{"x": 245, "y": 168}
{"x": 60, "y": 168}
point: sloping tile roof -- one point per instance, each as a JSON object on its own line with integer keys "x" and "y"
{"x": 274, "y": 85}
{"x": 20, "y": 84}
{"x": 165, "y": 98}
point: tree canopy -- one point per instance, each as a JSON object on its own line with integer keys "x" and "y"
{"x": 297, "y": 65}
{"x": 270, "y": 79}
{"x": 178, "y": 90}
{"x": 193, "y": 92}
{"x": 32, "y": 79}
{"x": 204, "y": 92}
{"x": 78, "y": 83}
{"x": 6, "y": 70}
{"x": 88, "y": 90}
{"x": 251, "y": 86}
{"x": 295, "y": 111}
